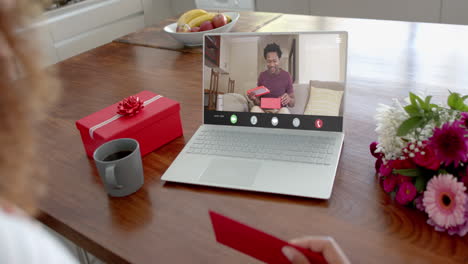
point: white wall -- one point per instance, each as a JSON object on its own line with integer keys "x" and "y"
{"x": 225, "y": 54}
{"x": 319, "y": 58}
{"x": 156, "y": 10}
{"x": 406, "y": 10}
{"x": 454, "y": 11}
{"x": 180, "y": 6}
{"x": 281, "y": 6}
{"x": 243, "y": 63}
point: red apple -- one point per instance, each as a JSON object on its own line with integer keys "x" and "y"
{"x": 195, "y": 29}
{"x": 207, "y": 25}
{"x": 219, "y": 20}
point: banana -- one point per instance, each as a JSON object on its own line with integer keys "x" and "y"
{"x": 229, "y": 19}
{"x": 190, "y": 15}
{"x": 196, "y": 22}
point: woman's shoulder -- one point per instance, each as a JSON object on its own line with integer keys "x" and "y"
{"x": 24, "y": 241}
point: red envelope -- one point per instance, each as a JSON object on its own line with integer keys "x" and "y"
{"x": 270, "y": 103}
{"x": 255, "y": 243}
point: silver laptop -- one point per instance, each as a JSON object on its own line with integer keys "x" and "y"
{"x": 272, "y": 114}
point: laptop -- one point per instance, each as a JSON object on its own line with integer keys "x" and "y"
{"x": 293, "y": 150}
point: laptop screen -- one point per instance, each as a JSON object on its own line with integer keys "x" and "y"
{"x": 275, "y": 80}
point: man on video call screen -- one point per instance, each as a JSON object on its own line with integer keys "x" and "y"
{"x": 288, "y": 74}
{"x": 276, "y": 80}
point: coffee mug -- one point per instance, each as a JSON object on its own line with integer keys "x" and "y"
{"x": 119, "y": 165}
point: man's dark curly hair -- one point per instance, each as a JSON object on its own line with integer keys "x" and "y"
{"x": 272, "y": 47}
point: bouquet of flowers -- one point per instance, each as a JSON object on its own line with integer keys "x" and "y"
{"x": 422, "y": 158}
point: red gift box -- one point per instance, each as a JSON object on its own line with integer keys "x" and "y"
{"x": 270, "y": 103}
{"x": 156, "y": 124}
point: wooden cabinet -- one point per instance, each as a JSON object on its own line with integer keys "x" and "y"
{"x": 217, "y": 54}
{"x": 212, "y": 51}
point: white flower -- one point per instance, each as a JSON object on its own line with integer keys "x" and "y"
{"x": 389, "y": 118}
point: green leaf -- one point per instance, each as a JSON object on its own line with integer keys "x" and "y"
{"x": 420, "y": 183}
{"x": 420, "y": 101}
{"x": 456, "y": 102}
{"x": 409, "y": 124}
{"x": 412, "y": 110}
{"x": 412, "y": 98}
{"x": 459, "y": 104}
{"x": 428, "y": 99}
{"x": 427, "y": 103}
{"x": 452, "y": 100}
{"x": 416, "y": 172}
{"x": 434, "y": 106}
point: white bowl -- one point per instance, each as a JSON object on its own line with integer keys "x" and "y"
{"x": 196, "y": 38}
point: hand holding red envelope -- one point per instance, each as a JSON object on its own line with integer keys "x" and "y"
{"x": 256, "y": 243}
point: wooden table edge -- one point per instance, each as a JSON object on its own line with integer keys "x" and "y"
{"x": 79, "y": 240}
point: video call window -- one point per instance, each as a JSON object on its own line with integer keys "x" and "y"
{"x": 300, "y": 74}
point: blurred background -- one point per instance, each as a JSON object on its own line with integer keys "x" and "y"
{"x": 70, "y": 27}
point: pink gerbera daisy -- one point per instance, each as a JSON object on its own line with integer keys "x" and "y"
{"x": 444, "y": 201}
{"x": 450, "y": 144}
{"x": 460, "y": 230}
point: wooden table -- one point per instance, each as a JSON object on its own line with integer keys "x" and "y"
{"x": 169, "y": 223}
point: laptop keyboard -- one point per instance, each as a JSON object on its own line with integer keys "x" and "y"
{"x": 252, "y": 145}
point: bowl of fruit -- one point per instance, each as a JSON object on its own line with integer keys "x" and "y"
{"x": 191, "y": 25}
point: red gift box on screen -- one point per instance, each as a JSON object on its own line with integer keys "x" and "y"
{"x": 155, "y": 124}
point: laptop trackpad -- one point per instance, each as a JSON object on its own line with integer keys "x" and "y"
{"x": 231, "y": 172}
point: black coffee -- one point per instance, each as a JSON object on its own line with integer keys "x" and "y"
{"x": 118, "y": 155}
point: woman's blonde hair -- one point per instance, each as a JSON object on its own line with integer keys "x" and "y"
{"x": 26, "y": 90}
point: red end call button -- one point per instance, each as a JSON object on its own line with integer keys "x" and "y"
{"x": 318, "y": 123}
